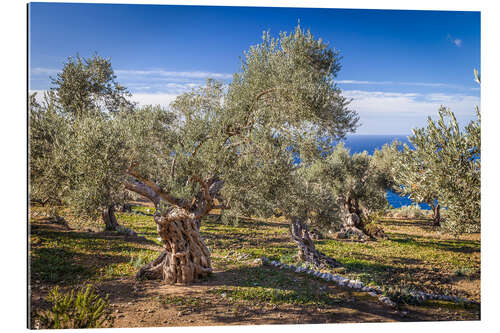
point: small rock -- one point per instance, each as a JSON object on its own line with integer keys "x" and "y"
{"x": 224, "y": 295}
{"x": 121, "y": 315}
{"x": 373, "y": 294}
{"x": 258, "y": 261}
{"x": 391, "y": 303}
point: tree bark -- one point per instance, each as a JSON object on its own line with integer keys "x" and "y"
{"x": 185, "y": 258}
{"x": 436, "y": 215}
{"x": 353, "y": 223}
{"x": 351, "y": 217}
{"x": 109, "y": 218}
{"x": 307, "y": 250}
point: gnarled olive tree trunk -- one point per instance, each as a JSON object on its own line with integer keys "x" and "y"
{"x": 352, "y": 222}
{"x": 307, "y": 250}
{"x": 436, "y": 215}
{"x": 351, "y": 219}
{"x": 184, "y": 258}
{"x": 109, "y": 218}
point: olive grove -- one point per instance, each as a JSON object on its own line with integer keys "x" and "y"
{"x": 218, "y": 146}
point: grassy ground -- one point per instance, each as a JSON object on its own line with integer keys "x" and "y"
{"x": 416, "y": 256}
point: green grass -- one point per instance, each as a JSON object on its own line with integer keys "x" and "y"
{"x": 414, "y": 257}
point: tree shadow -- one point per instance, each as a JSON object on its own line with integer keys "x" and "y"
{"x": 292, "y": 293}
{"x": 461, "y": 246}
{"x": 71, "y": 261}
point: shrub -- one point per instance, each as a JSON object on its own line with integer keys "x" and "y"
{"x": 409, "y": 212}
{"x": 86, "y": 310}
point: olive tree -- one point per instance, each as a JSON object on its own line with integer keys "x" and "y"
{"x": 452, "y": 161}
{"x": 413, "y": 178}
{"x": 231, "y": 147}
{"x": 357, "y": 185}
{"x": 47, "y": 130}
{"x": 237, "y": 144}
{"x": 88, "y": 85}
{"x": 443, "y": 168}
{"x": 85, "y": 93}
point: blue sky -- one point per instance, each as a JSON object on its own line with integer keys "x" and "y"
{"x": 398, "y": 66}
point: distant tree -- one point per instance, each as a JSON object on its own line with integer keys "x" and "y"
{"x": 454, "y": 158}
{"x": 443, "y": 167}
{"x": 88, "y": 85}
{"x": 357, "y": 185}
{"x": 85, "y": 92}
{"x": 414, "y": 178}
{"x": 47, "y": 130}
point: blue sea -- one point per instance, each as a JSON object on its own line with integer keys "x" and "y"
{"x": 359, "y": 143}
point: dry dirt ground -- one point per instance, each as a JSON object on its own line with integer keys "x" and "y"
{"x": 151, "y": 303}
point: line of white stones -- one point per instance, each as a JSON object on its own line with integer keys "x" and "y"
{"x": 375, "y": 291}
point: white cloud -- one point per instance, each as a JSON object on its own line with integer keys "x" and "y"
{"x": 457, "y": 41}
{"x": 380, "y": 112}
{"x": 370, "y": 102}
{"x": 421, "y": 84}
{"x": 398, "y": 113}
{"x": 43, "y": 71}
{"x": 174, "y": 74}
{"x": 157, "y": 72}
{"x": 163, "y": 99}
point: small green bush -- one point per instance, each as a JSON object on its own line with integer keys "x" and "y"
{"x": 86, "y": 310}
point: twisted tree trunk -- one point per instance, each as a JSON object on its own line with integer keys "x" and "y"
{"x": 354, "y": 225}
{"x": 184, "y": 258}
{"x": 351, "y": 217}
{"x": 109, "y": 218}
{"x": 436, "y": 215}
{"x": 307, "y": 250}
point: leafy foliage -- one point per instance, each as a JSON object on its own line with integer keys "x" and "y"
{"x": 282, "y": 103}
{"x": 444, "y": 164}
{"x": 86, "y": 86}
{"x": 343, "y": 177}
{"x": 86, "y": 310}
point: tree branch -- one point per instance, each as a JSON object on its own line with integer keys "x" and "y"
{"x": 182, "y": 203}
